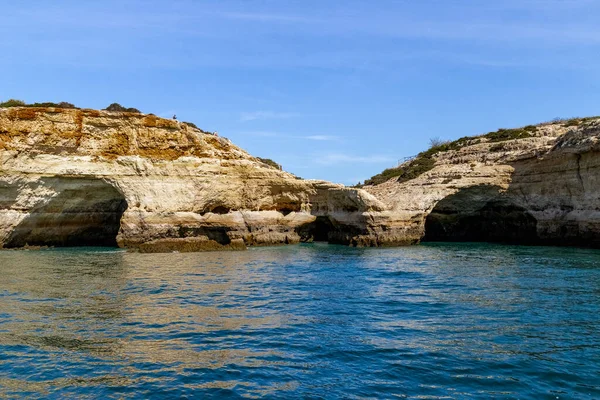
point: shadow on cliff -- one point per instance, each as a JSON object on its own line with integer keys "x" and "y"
{"x": 480, "y": 213}
{"x": 84, "y": 212}
{"x": 549, "y": 201}
{"x": 327, "y": 229}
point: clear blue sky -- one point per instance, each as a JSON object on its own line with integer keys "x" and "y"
{"x": 335, "y": 90}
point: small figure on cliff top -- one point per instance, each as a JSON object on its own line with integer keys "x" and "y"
{"x": 174, "y": 116}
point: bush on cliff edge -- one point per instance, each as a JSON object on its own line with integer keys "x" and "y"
{"x": 21, "y": 103}
{"x": 120, "y": 108}
{"x": 12, "y": 103}
{"x": 270, "y": 162}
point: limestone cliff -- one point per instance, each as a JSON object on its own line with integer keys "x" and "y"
{"x": 87, "y": 177}
{"x": 71, "y": 177}
{"x": 539, "y": 188}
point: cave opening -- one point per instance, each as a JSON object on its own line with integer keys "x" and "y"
{"x": 319, "y": 230}
{"x": 220, "y": 210}
{"x": 83, "y": 212}
{"x": 480, "y": 215}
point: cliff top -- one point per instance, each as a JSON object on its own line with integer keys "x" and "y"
{"x": 501, "y": 146}
{"x": 40, "y": 129}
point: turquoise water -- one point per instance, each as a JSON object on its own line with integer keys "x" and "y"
{"x": 311, "y": 321}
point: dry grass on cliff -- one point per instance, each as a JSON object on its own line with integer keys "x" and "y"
{"x": 425, "y": 160}
{"x": 420, "y": 164}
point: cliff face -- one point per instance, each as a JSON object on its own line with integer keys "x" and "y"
{"x": 541, "y": 189}
{"x": 73, "y": 177}
{"x": 87, "y": 177}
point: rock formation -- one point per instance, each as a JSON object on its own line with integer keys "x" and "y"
{"x": 72, "y": 177}
{"x": 86, "y": 177}
{"x": 538, "y": 189}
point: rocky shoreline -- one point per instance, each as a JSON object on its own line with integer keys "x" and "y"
{"x": 72, "y": 177}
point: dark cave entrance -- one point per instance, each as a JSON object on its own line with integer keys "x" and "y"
{"x": 317, "y": 231}
{"x": 480, "y": 214}
{"x": 322, "y": 228}
{"x": 84, "y": 212}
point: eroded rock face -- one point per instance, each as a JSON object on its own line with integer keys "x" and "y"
{"x": 537, "y": 190}
{"x": 87, "y": 177}
{"x": 79, "y": 212}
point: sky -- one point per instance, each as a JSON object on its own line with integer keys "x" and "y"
{"x": 334, "y": 90}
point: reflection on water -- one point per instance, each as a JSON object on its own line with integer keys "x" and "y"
{"x": 435, "y": 321}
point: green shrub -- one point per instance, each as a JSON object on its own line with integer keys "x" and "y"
{"x": 62, "y": 104}
{"x": 120, "y": 108}
{"x": 12, "y": 103}
{"x": 587, "y": 119}
{"x": 19, "y": 103}
{"x": 269, "y": 162}
{"x": 572, "y": 122}
{"x": 425, "y": 160}
{"x": 191, "y": 124}
{"x": 115, "y": 107}
{"x": 577, "y": 121}
{"x": 421, "y": 164}
{"x": 502, "y": 135}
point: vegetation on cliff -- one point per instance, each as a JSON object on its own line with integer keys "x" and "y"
{"x": 120, "y": 108}
{"x": 418, "y": 165}
{"x": 191, "y": 124}
{"x": 62, "y": 104}
{"x": 21, "y": 103}
{"x": 425, "y": 160}
{"x": 114, "y": 107}
{"x": 270, "y": 162}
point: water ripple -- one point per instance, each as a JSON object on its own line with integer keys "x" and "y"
{"x": 309, "y": 321}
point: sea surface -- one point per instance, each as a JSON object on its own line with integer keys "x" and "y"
{"x": 436, "y": 321}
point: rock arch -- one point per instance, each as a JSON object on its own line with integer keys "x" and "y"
{"x": 79, "y": 212}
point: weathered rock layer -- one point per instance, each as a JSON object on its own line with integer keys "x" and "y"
{"x": 541, "y": 189}
{"x": 71, "y": 177}
{"x": 87, "y": 177}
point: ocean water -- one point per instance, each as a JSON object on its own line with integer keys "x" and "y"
{"x": 435, "y": 321}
